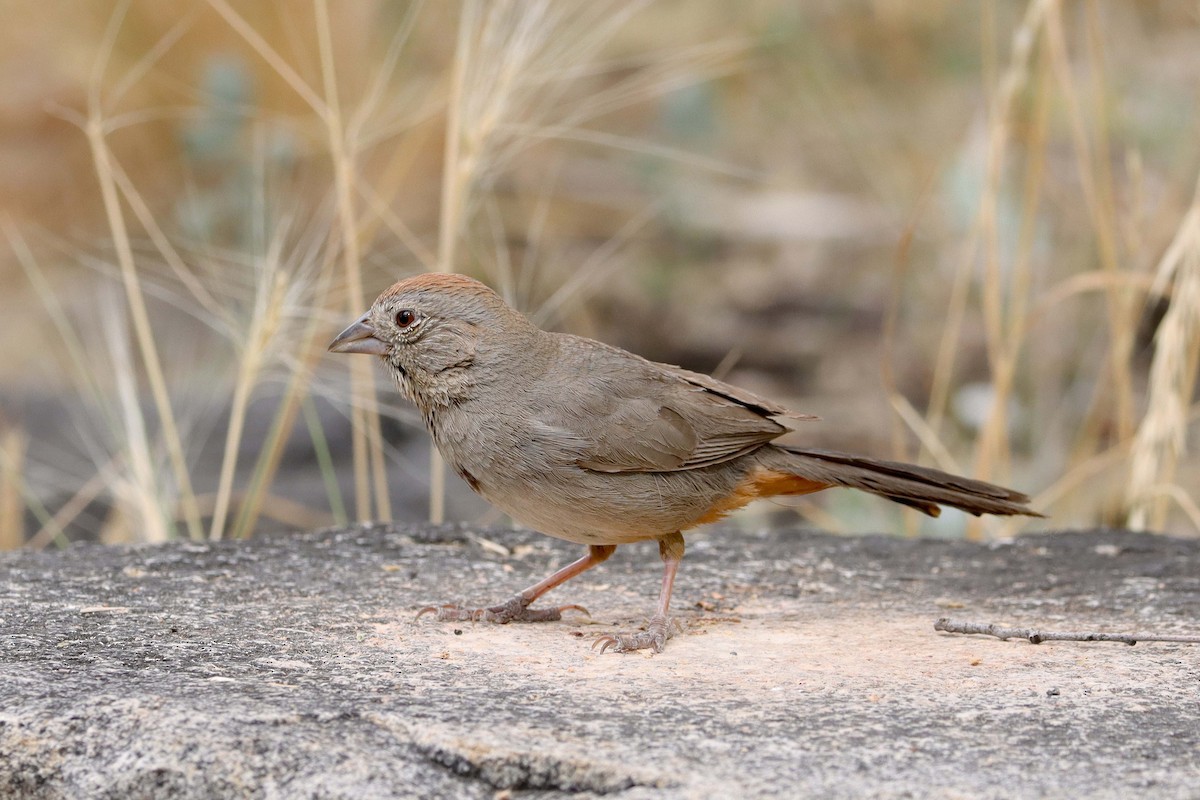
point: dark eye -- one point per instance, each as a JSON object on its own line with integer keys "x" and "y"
{"x": 405, "y": 318}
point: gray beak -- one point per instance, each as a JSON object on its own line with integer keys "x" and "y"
{"x": 359, "y": 338}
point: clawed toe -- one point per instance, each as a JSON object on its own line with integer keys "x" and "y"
{"x": 654, "y": 637}
{"x": 542, "y": 614}
{"x": 572, "y": 607}
{"x": 453, "y": 613}
{"x": 515, "y": 610}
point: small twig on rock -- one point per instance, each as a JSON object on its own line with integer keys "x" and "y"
{"x": 1037, "y": 637}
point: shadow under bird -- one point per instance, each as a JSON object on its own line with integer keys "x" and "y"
{"x": 595, "y": 445}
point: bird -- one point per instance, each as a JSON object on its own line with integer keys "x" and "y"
{"x": 590, "y": 443}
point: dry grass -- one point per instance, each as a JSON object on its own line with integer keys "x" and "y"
{"x": 1162, "y": 435}
{"x": 95, "y": 128}
{"x": 1040, "y": 66}
{"x": 12, "y": 504}
{"x": 572, "y": 152}
{"x": 1041, "y": 63}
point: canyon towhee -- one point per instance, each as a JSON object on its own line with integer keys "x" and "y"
{"x": 596, "y": 445}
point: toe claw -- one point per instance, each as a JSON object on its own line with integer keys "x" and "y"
{"x": 653, "y": 638}
{"x": 514, "y": 610}
{"x": 604, "y": 642}
{"x": 573, "y": 607}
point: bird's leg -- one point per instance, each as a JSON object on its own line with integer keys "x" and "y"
{"x": 661, "y": 626}
{"x": 516, "y": 609}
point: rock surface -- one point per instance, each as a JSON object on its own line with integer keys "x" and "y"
{"x": 291, "y": 666}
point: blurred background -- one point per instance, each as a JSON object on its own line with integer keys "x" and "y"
{"x": 961, "y": 233}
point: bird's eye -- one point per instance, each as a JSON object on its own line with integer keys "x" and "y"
{"x": 405, "y": 318}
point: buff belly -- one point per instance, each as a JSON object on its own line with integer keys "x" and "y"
{"x": 620, "y": 508}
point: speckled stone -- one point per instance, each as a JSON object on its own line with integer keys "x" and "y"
{"x": 291, "y": 666}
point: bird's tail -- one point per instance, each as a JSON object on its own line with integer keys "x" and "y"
{"x": 921, "y": 488}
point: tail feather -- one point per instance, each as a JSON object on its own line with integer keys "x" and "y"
{"x": 922, "y": 488}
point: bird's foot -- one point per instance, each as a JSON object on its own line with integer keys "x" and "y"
{"x": 660, "y": 629}
{"x": 516, "y": 609}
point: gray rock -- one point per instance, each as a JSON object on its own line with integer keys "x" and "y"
{"x": 291, "y": 666}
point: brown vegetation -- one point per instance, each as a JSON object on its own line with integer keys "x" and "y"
{"x": 964, "y": 233}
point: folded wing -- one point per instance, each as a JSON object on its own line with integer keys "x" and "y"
{"x": 627, "y": 414}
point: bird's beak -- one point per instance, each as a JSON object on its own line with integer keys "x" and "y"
{"x": 359, "y": 338}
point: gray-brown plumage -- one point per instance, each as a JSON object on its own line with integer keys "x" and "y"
{"x": 593, "y": 444}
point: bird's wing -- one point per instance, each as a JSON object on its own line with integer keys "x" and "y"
{"x": 622, "y": 413}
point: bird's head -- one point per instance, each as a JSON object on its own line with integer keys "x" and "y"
{"x": 431, "y": 330}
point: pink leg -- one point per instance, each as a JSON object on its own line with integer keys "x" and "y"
{"x": 660, "y": 628}
{"x": 517, "y": 608}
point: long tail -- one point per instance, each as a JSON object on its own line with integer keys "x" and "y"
{"x": 921, "y": 488}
